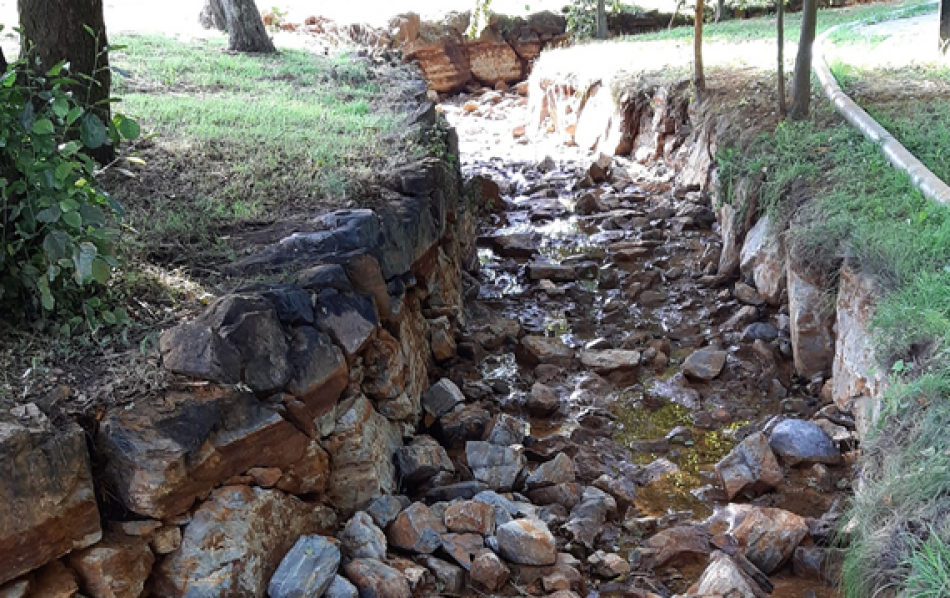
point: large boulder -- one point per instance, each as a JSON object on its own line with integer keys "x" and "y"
{"x": 442, "y": 57}
{"x": 762, "y": 260}
{"x": 235, "y": 542}
{"x": 49, "y": 507}
{"x": 813, "y": 341}
{"x": 375, "y": 579}
{"x": 116, "y": 567}
{"x": 163, "y": 454}
{"x": 361, "y": 451}
{"x": 494, "y": 61}
{"x": 766, "y": 536}
{"x": 750, "y": 468}
{"x": 798, "y": 441}
{"x": 307, "y": 570}
{"x": 417, "y": 529}
{"x": 526, "y": 542}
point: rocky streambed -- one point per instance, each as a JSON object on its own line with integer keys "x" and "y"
{"x": 568, "y": 396}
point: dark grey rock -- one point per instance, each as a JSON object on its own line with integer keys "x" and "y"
{"x": 704, "y": 364}
{"x": 450, "y": 492}
{"x": 349, "y": 319}
{"x": 259, "y": 338}
{"x": 325, "y": 276}
{"x": 450, "y": 578}
{"x": 293, "y": 304}
{"x": 194, "y": 349}
{"x": 456, "y": 428}
{"x": 307, "y": 570}
{"x": 506, "y": 430}
{"x": 442, "y": 397}
{"x": 422, "y": 459}
{"x": 760, "y": 331}
{"x": 384, "y": 509}
{"x": 557, "y": 471}
{"x": 341, "y": 587}
{"x": 586, "y": 521}
{"x": 362, "y": 539}
{"x": 799, "y": 441}
{"x": 497, "y": 466}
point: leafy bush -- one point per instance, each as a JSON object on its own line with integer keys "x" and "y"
{"x": 58, "y": 230}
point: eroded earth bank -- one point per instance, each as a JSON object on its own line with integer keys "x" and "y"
{"x": 536, "y": 369}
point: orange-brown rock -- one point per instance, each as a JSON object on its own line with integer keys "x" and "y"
{"x": 493, "y": 61}
{"x": 443, "y": 59}
{"x": 236, "y": 541}
{"x": 54, "y": 580}
{"x": 116, "y": 567}
{"x": 164, "y": 453}
{"x": 48, "y": 504}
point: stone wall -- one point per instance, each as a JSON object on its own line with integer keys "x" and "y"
{"x": 290, "y": 402}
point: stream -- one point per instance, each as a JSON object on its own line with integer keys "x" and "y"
{"x": 606, "y": 270}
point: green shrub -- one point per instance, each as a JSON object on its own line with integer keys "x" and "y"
{"x": 58, "y": 227}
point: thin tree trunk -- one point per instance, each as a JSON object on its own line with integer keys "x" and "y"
{"x": 55, "y": 30}
{"x": 246, "y": 31}
{"x": 212, "y": 16}
{"x": 699, "y": 78}
{"x": 601, "y": 20}
{"x": 801, "y": 80}
{"x": 676, "y": 12}
{"x": 944, "y": 25}
{"x": 720, "y": 10}
{"x": 780, "y": 37}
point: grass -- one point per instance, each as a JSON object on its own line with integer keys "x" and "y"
{"x": 241, "y": 141}
{"x": 241, "y": 150}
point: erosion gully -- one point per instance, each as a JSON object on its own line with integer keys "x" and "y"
{"x": 624, "y": 260}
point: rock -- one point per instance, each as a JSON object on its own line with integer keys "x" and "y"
{"x": 260, "y": 340}
{"x": 487, "y": 191}
{"x": 567, "y": 495}
{"x": 466, "y": 424}
{"x": 384, "y": 509}
{"x": 704, "y": 364}
{"x": 505, "y": 430}
{"x": 586, "y": 521}
{"x": 442, "y": 397}
{"x": 798, "y": 441}
{"x": 493, "y": 62}
{"x": 496, "y": 466}
{"x": 759, "y": 331}
{"x": 49, "y": 506}
{"x": 459, "y": 490}
{"x": 257, "y": 527}
{"x": 813, "y": 342}
{"x": 526, "y": 542}
{"x": 608, "y": 565}
{"x": 552, "y": 272}
{"x": 543, "y": 349}
{"x": 307, "y": 570}
{"x": 166, "y": 539}
{"x": 422, "y": 459}
{"x": 611, "y": 360}
{"x": 463, "y": 547}
{"x": 679, "y": 545}
{"x": 724, "y": 577}
{"x": 766, "y": 536}
{"x": 441, "y": 339}
{"x": 195, "y": 349}
{"x": 349, "y": 319}
{"x": 375, "y": 579}
{"x": 750, "y": 468}
{"x": 818, "y": 563}
{"x": 365, "y": 274}
{"x": 763, "y": 260}
{"x": 517, "y": 245}
{"x": 161, "y": 455}
{"x": 470, "y": 516}
{"x": 488, "y": 571}
{"x": 340, "y": 587}
{"x": 747, "y": 295}
{"x": 385, "y": 368}
{"x": 362, "y": 539}
{"x": 310, "y": 475}
{"x": 325, "y": 276}
{"x": 449, "y": 578}
{"x": 53, "y": 580}
{"x": 116, "y": 567}
{"x": 18, "y": 588}
{"x": 417, "y": 529}
{"x": 361, "y": 452}
{"x": 557, "y": 471}
{"x": 542, "y": 401}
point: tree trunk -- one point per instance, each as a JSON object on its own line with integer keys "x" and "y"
{"x": 601, "y": 20}
{"x": 55, "y": 30}
{"x": 699, "y": 77}
{"x": 676, "y": 13}
{"x": 944, "y": 25}
{"x": 720, "y": 10}
{"x": 801, "y": 80}
{"x": 246, "y": 31}
{"x": 212, "y": 16}
{"x": 780, "y": 37}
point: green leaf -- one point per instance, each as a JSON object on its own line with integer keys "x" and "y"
{"x": 73, "y": 219}
{"x": 101, "y": 272}
{"x": 83, "y": 258}
{"x": 92, "y": 215}
{"x": 54, "y": 244}
{"x": 50, "y": 214}
{"x": 57, "y": 69}
{"x": 60, "y": 107}
{"x": 63, "y": 171}
{"x": 92, "y": 132}
{"x": 108, "y": 317}
{"x": 69, "y": 205}
{"x": 27, "y": 116}
{"x": 47, "y": 300}
{"x": 74, "y": 114}
{"x": 43, "y": 126}
{"x": 128, "y": 128}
